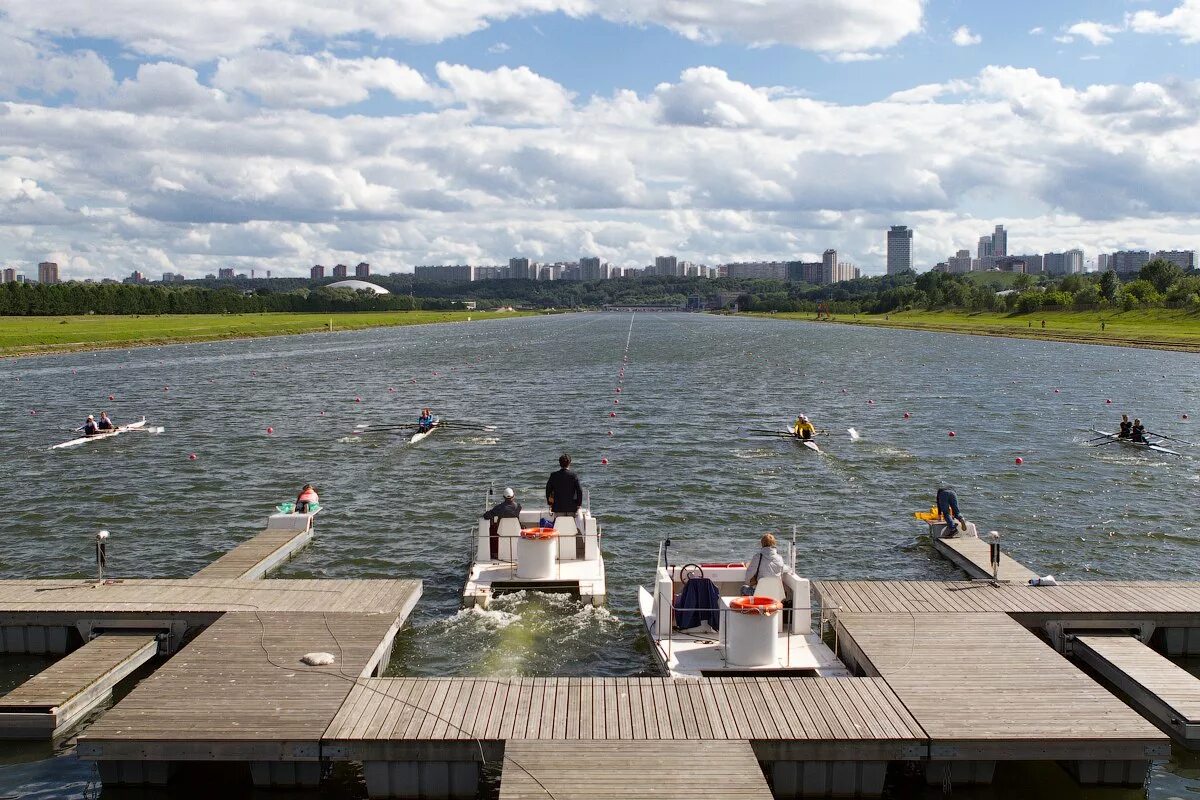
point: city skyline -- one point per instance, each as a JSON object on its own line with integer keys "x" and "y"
{"x": 405, "y": 134}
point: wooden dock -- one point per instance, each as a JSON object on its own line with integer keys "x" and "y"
{"x": 972, "y": 555}
{"x": 1161, "y": 690}
{"x": 52, "y": 701}
{"x": 662, "y": 770}
{"x": 285, "y": 534}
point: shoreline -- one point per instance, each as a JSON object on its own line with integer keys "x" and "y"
{"x": 66, "y": 348}
{"x": 983, "y": 328}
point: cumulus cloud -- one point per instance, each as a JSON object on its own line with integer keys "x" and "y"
{"x": 505, "y": 95}
{"x": 164, "y": 86}
{"x": 963, "y": 37}
{"x": 317, "y": 81}
{"x": 1183, "y": 21}
{"x": 204, "y": 31}
{"x": 1098, "y": 33}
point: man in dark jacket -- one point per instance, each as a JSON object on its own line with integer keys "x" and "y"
{"x": 564, "y": 493}
{"x": 509, "y": 508}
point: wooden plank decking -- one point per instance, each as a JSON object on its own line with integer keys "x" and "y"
{"x": 212, "y": 595}
{"x": 256, "y": 557}
{"x": 973, "y": 556}
{"x": 1160, "y": 689}
{"x": 984, "y": 688}
{"x": 52, "y": 701}
{"x": 240, "y": 691}
{"x": 1177, "y": 602}
{"x": 662, "y": 770}
{"x": 798, "y": 718}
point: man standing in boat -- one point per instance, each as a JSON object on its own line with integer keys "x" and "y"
{"x": 947, "y": 506}
{"x": 509, "y": 508}
{"x": 564, "y": 493}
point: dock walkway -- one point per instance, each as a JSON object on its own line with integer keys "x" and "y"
{"x": 985, "y": 689}
{"x": 972, "y": 555}
{"x": 52, "y": 701}
{"x": 1161, "y": 690}
{"x": 284, "y": 535}
{"x": 632, "y": 771}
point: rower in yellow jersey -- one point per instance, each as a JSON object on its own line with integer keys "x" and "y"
{"x": 803, "y": 429}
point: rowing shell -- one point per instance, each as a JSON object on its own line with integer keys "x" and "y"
{"x": 1112, "y": 437}
{"x": 133, "y": 426}
{"x": 809, "y": 443}
{"x": 422, "y": 435}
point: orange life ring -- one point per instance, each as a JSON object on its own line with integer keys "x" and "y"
{"x": 755, "y": 605}
{"x": 538, "y": 533}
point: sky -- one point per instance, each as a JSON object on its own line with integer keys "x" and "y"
{"x": 170, "y": 135}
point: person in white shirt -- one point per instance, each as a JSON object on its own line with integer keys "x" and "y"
{"x": 766, "y": 562}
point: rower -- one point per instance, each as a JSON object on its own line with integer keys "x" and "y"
{"x": 803, "y": 428}
{"x": 1126, "y": 427}
{"x": 105, "y": 424}
{"x": 89, "y": 427}
{"x": 425, "y": 422}
{"x": 1138, "y": 432}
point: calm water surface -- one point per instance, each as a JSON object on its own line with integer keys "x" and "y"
{"x": 677, "y": 466}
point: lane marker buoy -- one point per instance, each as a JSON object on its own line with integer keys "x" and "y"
{"x": 192, "y": 457}
{"x": 907, "y": 415}
{"x": 1020, "y": 461}
{"x": 270, "y": 429}
{"x": 953, "y": 434}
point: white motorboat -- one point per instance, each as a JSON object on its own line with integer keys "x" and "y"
{"x": 133, "y": 426}
{"x": 1147, "y": 445}
{"x": 768, "y": 634}
{"x": 536, "y": 552}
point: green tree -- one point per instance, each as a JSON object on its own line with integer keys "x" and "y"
{"x": 1161, "y": 273}
{"x": 1110, "y": 286}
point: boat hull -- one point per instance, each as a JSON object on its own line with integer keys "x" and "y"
{"x": 82, "y": 440}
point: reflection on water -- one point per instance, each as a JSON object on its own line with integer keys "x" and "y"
{"x": 678, "y": 466}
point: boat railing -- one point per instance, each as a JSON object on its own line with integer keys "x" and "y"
{"x": 507, "y": 550}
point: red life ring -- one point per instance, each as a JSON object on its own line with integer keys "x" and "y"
{"x": 755, "y": 605}
{"x": 538, "y": 533}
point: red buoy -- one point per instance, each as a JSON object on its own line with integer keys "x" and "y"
{"x": 907, "y": 415}
{"x": 612, "y": 413}
{"x": 870, "y": 402}
{"x": 166, "y": 388}
{"x": 358, "y": 399}
{"x": 610, "y": 433}
{"x": 270, "y": 429}
{"x": 1185, "y": 416}
{"x": 192, "y": 457}
{"x": 616, "y": 401}
{"x": 1020, "y": 461}
{"x": 32, "y": 412}
{"x": 618, "y": 390}
{"x": 953, "y": 434}
{"x": 1108, "y": 402}
{"x": 110, "y": 397}
{"x": 604, "y": 461}
{"x": 1056, "y": 391}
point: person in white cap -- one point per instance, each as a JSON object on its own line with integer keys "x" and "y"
{"x": 508, "y": 508}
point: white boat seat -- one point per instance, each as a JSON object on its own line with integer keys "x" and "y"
{"x": 508, "y": 529}
{"x": 770, "y": 586}
{"x": 568, "y": 537}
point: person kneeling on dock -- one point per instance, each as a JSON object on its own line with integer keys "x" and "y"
{"x": 509, "y": 508}
{"x": 564, "y": 493}
{"x": 947, "y": 506}
{"x": 306, "y": 499}
{"x": 767, "y": 563}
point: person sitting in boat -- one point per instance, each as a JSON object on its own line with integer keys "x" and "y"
{"x": 425, "y": 422}
{"x": 766, "y": 563}
{"x": 1138, "y": 432}
{"x": 1126, "y": 428}
{"x": 564, "y": 493}
{"x": 105, "y": 424}
{"x": 947, "y": 506}
{"x": 89, "y": 426}
{"x": 508, "y": 508}
{"x": 803, "y": 428}
{"x": 306, "y": 499}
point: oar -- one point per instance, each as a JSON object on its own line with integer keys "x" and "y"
{"x": 854, "y": 437}
{"x": 474, "y": 426}
{"x": 1110, "y": 441}
{"x": 1170, "y": 438}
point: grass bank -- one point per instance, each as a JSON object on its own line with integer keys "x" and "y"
{"x": 39, "y": 335}
{"x": 1160, "y": 329}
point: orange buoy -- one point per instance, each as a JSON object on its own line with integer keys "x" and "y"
{"x": 755, "y": 605}
{"x": 538, "y": 533}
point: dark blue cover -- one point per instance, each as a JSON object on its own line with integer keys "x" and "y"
{"x": 699, "y": 602}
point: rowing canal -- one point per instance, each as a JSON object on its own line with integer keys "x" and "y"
{"x": 678, "y": 466}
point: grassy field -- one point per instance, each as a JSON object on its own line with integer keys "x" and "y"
{"x": 1163, "y": 329}
{"x": 36, "y": 335}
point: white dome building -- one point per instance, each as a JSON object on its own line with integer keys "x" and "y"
{"x": 358, "y": 286}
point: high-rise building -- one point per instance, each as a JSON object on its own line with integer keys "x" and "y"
{"x": 773, "y": 270}
{"x": 666, "y": 265}
{"x": 135, "y": 278}
{"x": 225, "y": 274}
{"x": 317, "y": 273}
{"x": 961, "y": 262}
{"x": 804, "y": 271}
{"x": 341, "y": 271}
{"x": 362, "y": 270}
{"x": 10, "y": 275}
{"x": 1125, "y": 261}
{"x": 521, "y": 269}
{"x": 1104, "y": 262}
{"x": 47, "y": 272}
{"x": 1000, "y": 242}
{"x": 1033, "y": 264}
{"x": 829, "y": 266}
{"x": 592, "y": 269}
{"x": 456, "y": 273}
{"x": 1184, "y": 259}
{"x": 899, "y": 249}
{"x": 173, "y": 277}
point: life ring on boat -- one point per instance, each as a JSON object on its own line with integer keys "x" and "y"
{"x": 756, "y": 605}
{"x": 538, "y": 533}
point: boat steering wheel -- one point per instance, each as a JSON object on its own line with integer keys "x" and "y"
{"x": 689, "y": 571}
